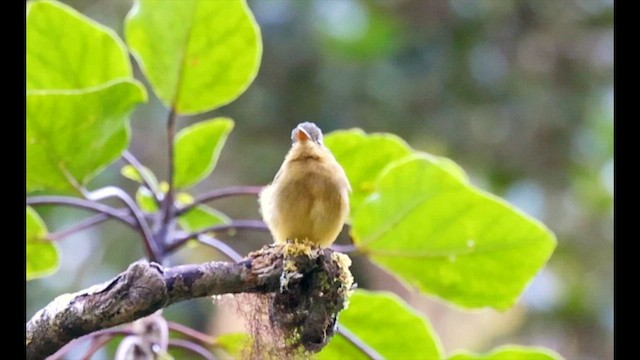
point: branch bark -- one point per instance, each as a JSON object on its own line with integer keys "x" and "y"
{"x": 140, "y": 291}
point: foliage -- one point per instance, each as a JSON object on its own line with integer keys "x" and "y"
{"x": 415, "y": 214}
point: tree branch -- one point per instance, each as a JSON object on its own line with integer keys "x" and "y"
{"x": 140, "y": 291}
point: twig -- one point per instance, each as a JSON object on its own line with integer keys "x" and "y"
{"x": 110, "y": 332}
{"x": 256, "y": 225}
{"x": 167, "y": 202}
{"x": 111, "y": 191}
{"x": 193, "y": 347}
{"x": 192, "y": 333}
{"x": 220, "y": 246}
{"x": 79, "y": 226}
{"x": 344, "y": 248}
{"x": 118, "y": 214}
{"x": 96, "y": 345}
{"x": 357, "y": 342}
{"x": 148, "y": 182}
{"x": 220, "y": 194}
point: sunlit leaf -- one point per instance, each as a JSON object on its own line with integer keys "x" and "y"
{"x": 201, "y": 217}
{"x": 197, "y": 54}
{"x": 67, "y": 50}
{"x": 146, "y": 200}
{"x": 198, "y": 148}
{"x": 42, "y": 254}
{"x": 131, "y": 173}
{"x": 387, "y": 325}
{"x": 73, "y": 135}
{"x": 233, "y": 344}
{"x": 447, "y": 238}
{"x": 509, "y": 352}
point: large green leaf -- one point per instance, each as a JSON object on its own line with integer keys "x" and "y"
{"x": 198, "y": 148}
{"x": 437, "y": 232}
{"x": 74, "y": 134}
{"x": 197, "y": 54}
{"x": 66, "y": 50}
{"x": 510, "y": 352}
{"x": 42, "y": 254}
{"x": 386, "y": 324}
{"x": 363, "y": 157}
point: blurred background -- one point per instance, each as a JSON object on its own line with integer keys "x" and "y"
{"x": 519, "y": 93}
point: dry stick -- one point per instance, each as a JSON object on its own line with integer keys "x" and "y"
{"x": 141, "y": 290}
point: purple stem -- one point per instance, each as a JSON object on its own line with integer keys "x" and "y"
{"x": 257, "y": 225}
{"x": 220, "y": 246}
{"x": 111, "y": 332}
{"x": 220, "y": 194}
{"x": 142, "y": 225}
{"x": 118, "y": 214}
{"x": 79, "y": 226}
{"x": 192, "y": 333}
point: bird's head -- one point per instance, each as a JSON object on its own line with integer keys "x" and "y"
{"x": 307, "y": 131}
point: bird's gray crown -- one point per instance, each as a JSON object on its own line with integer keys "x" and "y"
{"x": 311, "y": 129}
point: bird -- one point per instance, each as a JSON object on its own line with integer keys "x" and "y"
{"x": 308, "y": 199}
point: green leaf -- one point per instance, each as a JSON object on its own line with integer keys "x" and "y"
{"x": 42, "y": 254}
{"x": 388, "y": 325}
{"x": 202, "y": 217}
{"x": 146, "y": 200}
{"x": 197, "y": 150}
{"x": 447, "y": 238}
{"x": 510, "y": 352}
{"x": 67, "y": 50}
{"x": 131, "y": 173}
{"x": 197, "y": 54}
{"x": 233, "y": 344}
{"x": 363, "y": 157}
{"x": 72, "y": 135}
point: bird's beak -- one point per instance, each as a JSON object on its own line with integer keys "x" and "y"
{"x": 303, "y": 135}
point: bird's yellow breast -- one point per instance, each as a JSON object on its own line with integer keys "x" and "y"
{"x": 308, "y": 200}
